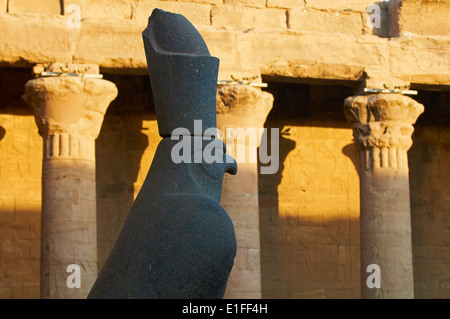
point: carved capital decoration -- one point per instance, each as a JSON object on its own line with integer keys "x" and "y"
{"x": 246, "y": 102}
{"x": 382, "y": 127}
{"x": 69, "y": 112}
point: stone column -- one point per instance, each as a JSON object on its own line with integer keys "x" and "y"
{"x": 382, "y": 129}
{"x": 69, "y": 112}
{"x": 243, "y": 107}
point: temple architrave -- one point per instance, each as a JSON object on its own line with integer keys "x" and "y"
{"x": 338, "y": 113}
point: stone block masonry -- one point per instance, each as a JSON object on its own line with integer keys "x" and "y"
{"x": 285, "y": 4}
{"x": 419, "y": 17}
{"x": 306, "y": 250}
{"x": 196, "y": 13}
{"x": 324, "y": 21}
{"x": 47, "y": 7}
{"x": 3, "y": 6}
{"x": 245, "y": 18}
{"x": 308, "y": 39}
{"x": 341, "y": 5}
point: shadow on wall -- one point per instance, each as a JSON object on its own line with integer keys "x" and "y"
{"x": 20, "y": 190}
{"x": 429, "y": 172}
{"x": 20, "y": 248}
{"x": 19, "y": 242}
{"x": 352, "y": 153}
{"x": 309, "y": 209}
{"x": 119, "y": 150}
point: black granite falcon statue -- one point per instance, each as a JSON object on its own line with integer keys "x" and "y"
{"x": 177, "y": 241}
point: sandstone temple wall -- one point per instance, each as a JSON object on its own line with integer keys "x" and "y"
{"x": 309, "y": 39}
{"x": 313, "y": 54}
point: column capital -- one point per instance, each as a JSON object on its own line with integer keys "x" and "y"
{"x": 69, "y": 109}
{"x": 69, "y": 104}
{"x": 382, "y": 120}
{"x": 383, "y": 124}
{"x": 248, "y": 105}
